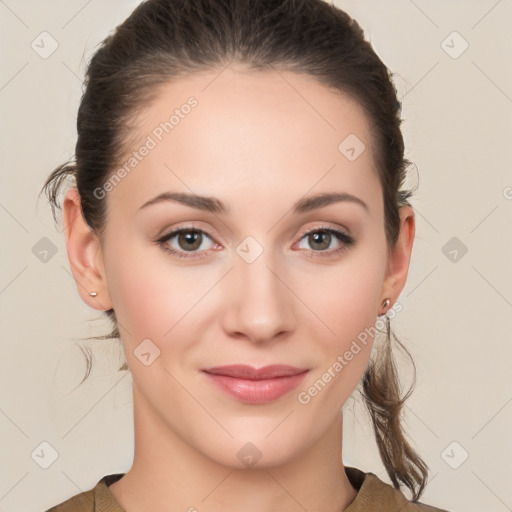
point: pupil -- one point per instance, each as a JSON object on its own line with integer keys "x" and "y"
{"x": 318, "y": 236}
{"x": 190, "y": 237}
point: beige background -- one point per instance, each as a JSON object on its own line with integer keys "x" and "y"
{"x": 457, "y": 314}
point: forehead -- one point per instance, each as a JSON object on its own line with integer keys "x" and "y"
{"x": 231, "y": 131}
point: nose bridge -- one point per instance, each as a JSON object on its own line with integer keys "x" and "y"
{"x": 261, "y": 306}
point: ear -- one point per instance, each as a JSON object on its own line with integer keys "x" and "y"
{"x": 399, "y": 256}
{"x": 84, "y": 254}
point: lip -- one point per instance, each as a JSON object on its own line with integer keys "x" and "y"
{"x": 256, "y": 385}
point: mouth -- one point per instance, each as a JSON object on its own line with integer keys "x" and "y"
{"x": 243, "y": 371}
{"x": 251, "y": 385}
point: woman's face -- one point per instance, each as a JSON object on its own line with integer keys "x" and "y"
{"x": 260, "y": 283}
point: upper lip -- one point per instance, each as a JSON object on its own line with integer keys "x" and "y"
{"x": 243, "y": 371}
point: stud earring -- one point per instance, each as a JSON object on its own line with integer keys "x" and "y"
{"x": 93, "y": 294}
{"x": 385, "y": 304}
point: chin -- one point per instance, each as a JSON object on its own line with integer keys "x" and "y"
{"x": 254, "y": 451}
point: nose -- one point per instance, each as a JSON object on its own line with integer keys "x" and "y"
{"x": 260, "y": 307}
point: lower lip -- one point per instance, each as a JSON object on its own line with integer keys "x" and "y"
{"x": 257, "y": 391}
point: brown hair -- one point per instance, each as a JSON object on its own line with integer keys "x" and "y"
{"x": 165, "y": 39}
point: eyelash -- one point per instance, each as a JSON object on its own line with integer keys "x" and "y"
{"x": 347, "y": 242}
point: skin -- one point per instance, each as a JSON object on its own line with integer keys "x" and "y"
{"x": 258, "y": 141}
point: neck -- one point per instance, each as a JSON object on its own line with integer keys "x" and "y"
{"x": 168, "y": 473}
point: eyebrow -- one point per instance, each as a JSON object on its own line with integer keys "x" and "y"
{"x": 214, "y": 205}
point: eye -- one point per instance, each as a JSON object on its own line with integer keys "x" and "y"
{"x": 192, "y": 240}
{"x": 188, "y": 240}
{"x": 321, "y": 239}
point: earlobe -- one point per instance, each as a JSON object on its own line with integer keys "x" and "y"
{"x": 82, "y": 246}
{"x": 400, "y": 255}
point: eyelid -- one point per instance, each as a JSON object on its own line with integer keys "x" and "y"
{"x": 314, "y": 228}
{"x": 191, "y": 225}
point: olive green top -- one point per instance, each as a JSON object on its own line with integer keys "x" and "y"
{"x": 373, "y": 495}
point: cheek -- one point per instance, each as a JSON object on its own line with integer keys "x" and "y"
{"x": 347, "y": 299}
{"x": 145, "y": 301}
{"x": 154, "y": 297}
{"x": 348, "y": 303}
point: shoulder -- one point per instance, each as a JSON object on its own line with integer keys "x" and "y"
{"x": 99, "y": 498}
{"x": 374, "y": 494}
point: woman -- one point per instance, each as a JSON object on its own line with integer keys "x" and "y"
{"x": 265, "y": 136}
